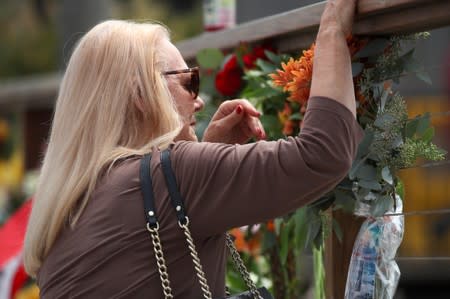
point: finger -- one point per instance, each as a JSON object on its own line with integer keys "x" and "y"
{"x": 255, "y": 127}
{"x": 233, "y": 118}
{"x": 246, "y": 131}
{"x": 249, "y": 108}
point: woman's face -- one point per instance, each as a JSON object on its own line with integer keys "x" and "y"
{"x": 187, "y": 105}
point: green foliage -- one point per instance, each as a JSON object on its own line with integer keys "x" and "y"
{"x": 210, "y": 58}
{"x": 391, "y": 142}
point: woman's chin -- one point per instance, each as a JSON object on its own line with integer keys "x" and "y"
{"x": 187, "y": 134}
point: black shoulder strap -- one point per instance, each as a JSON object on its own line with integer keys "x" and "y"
{"x": 147, "y": 191}
{"x": 175, "y": 196}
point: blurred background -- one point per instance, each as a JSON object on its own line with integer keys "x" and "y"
{"x": 36, "y": 38}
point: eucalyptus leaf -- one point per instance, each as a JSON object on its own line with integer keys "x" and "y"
{"x": 363, "y": 148}
{"x": 424, "y": 76}
{"x": 355, "y": 167}
{"x": 384, "y": 121}
{"x": 367, "y": 172}
{"x": 210, "y": 58}
{"x": 344, "y": 200}
{"x": 381, "y": 206}
{"x": 398, "y": 141}
{"x": 373, "y": 185}
{"x": 357, "y": 68}
{"x": 387, "y": 176}
{"x": 384, "y": 98}
{"x": 373, "y": 48}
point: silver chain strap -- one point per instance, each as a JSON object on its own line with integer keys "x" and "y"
{"x": 196, "y": 260}
{"x": 162, "y": 268}
{"x": 160, "y": 261}
{"x": 240, "y": 267}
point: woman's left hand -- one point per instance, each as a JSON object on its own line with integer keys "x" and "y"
{"x": 235, "y": 121}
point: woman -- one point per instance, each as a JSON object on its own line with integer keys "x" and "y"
{"x": 126, "y": 92}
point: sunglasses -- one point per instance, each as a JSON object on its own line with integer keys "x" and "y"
{"x": 193, "y": 86}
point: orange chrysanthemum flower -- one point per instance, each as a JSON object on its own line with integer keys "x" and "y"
{"x": 251, "y": 246}
{"x": 283, "y": 117}
{"x": 296, "y": 76}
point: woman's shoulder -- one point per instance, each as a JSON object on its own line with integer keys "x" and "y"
{"x": 122, "y": 172}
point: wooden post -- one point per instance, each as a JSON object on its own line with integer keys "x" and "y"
{"x": 337, "y": 254}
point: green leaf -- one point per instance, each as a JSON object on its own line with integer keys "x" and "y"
{"x": 355, "y": 167}
{"x": 424, "y": 123}
{"x": 313, "y": 230}
{"x": 337, "y": 230}
{"x": 373, "y": 185}
{"x": 428, "y": 135}
{"x": 408, "y": 63}
{"x": 300, "y": 229}
{"x": 367, "y": 172}
{"x": 296, "y": 116}
{"x": 384, "y": 121}
{"x": 411, "y": 127}
{"x": 400, "y": 188}
{"x": 384, "y": 98}
{"x": 363, "y": 148}
{"x": 278, "y": 222}
{"x": 208, "y": 85}
{"x": 381, "y": 206}
{"x": 424, "y": 76}
{"x": 269, "y": 241}
{"x": 273, "y": 57}
{"x": 210, "y": 58}
{"x": 373, "y": 48}
{"x": 344, "y": 200}
{"x": 386, "y": 175}
{"x": 284, "y": 245}
{"x": 357, "y": 68}
{"x": 265, "y": 66}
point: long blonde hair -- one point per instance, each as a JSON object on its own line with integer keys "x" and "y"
{"x": 112, "y": 103}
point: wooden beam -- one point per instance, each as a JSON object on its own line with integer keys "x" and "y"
{"x": 289, "y": 31}
{"x": 296, "y": 29}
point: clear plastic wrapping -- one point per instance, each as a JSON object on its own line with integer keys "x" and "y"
{"x": 373, "y": 271}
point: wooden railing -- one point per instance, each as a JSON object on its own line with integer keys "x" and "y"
{"x": 296, "y": 29}
{"x": 288, "y": 31}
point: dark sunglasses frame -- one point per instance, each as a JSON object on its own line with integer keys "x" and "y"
{"x": 194, "y": 84}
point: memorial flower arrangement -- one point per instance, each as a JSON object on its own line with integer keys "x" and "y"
{"x": 278, "y": 85}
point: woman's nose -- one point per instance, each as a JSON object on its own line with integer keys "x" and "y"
{"x": 199, "y": 104}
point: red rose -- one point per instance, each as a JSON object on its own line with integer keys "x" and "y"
{"x": 228, "y": 81}
{"x": 231, "y": 63}
{"x": 257, "y": 53}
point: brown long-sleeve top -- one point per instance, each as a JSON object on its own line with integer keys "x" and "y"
{"x": 109, "y": 253}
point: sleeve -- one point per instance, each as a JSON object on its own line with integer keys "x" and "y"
{"x": 226, "y": 186}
